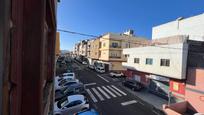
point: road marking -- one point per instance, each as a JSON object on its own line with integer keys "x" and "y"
{"x": 118, "y": 90}
{"x": 141, "y": 103}
{"x": 109, "y": 91}
{"x": 128, "y": 102}
{"x": 114, "y": 91}
{"x": 98, "y": 94}
{"x": 89, "y": 84}
{"x": 104, "y": 93}
{"x": 91, "y": 95}
{"x": 103, "y": 78}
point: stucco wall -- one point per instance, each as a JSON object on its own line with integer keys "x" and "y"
{"x": 177, "y": 53}
{"x": 193, "y": 26}
{"x": 195, "y": 89}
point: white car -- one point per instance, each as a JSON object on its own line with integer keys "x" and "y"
{"x": 100, "y": 69}
{"x": 64, "y": 83}
{"x": 69, "y": 74}
{"x": 116, "y": 74}
{"x": 70, "y": 105}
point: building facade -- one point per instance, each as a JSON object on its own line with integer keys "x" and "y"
{"x": 192, "y": 26}
{"x": 93, "y": 47}
{"x": 111, "y": 46}
{"x": 172, "y": 64}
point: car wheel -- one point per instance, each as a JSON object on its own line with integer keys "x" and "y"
{"x": 133, "y": 89}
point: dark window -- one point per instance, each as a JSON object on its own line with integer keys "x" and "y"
{"x": 136, "y": 60}
{"x": 114, "y": 45}
{"x": 164, "y": 62}
{"x": 149, "y": 61}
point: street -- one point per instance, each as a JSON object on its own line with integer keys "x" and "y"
{"x": 107, "y": 96}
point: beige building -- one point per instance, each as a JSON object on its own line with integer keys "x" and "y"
{"x": 111, "y": 46}
{"x": 81, "y": 48}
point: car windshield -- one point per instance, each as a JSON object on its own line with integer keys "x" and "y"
{"x": 63, "y": 102}
{"x": 62, "y": 82}
{"x": 70, "y": 74}
{"x": 70, "y": 83}
{"x": 66, "y": 90}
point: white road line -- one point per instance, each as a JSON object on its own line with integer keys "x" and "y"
{"x": 128, "y": 102}
{"x": 91, "y": 95}
{"x": 98, "y": 94}
{"x": 104, "y": 93}
{"x": 118, "y": 90}
{"x": 109, "y": 91}
{"x": 114, "y": 91}
{"x": 103, "y": 78}
{"x": 89, "y": 84}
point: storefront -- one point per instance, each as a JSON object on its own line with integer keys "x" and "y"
{"x": 159, "y": 86}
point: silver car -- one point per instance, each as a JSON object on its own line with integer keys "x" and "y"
{"x": 70, "y": 105}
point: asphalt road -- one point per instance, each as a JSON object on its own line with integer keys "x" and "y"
{"x": 108, "y": 97}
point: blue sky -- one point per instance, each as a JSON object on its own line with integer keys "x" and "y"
{"x": 101, "y": 16}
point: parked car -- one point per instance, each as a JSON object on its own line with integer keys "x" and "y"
{"x": 70, "y": 105}
{"x": 71, "y": 90}
{"x": 68, "y": 74}
{"x": 91, "y": 66}
{"x": 64, "y": 83}
{"x": 88, "y": 112}
{"x": 132, "y": 84}
{"x": 100, "y": 69}
{"x": 65, "y": 76}
{"x": 116, "y": 74}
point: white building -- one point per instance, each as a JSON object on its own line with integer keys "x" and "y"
{"x": 165, "y": 60}
{"x": 193, "y": 27}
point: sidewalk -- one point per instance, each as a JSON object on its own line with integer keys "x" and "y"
{"x": 150, "y": 98}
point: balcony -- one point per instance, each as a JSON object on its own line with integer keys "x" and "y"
{"x": 115, "y": 46}
{"x": 116, "y": 57}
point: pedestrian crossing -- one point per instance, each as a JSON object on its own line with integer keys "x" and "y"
{"x": 102, "y": 93}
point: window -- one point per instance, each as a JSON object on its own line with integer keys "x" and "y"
{"x": 114, "y": 45}
{"x": 126, "y": 55}
{"x": 104, "y": 44}
{"x": 164, "y": 62}
{"x": 149, "y": 61}
{"x": 136, "y": 60}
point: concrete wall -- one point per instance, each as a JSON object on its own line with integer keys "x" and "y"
{"x": 177, "y": 53}
{"x": 193, "y": 26}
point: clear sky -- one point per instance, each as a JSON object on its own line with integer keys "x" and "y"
{"x": 101, "y": 16}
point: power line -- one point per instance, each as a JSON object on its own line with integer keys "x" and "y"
{"x": 139, "y": 43}
{"x": 77, "y": 33}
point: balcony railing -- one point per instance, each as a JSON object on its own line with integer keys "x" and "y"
{"x": 117, "y": 57}
{"x": 115, "y": 46}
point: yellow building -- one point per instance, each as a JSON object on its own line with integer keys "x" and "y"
{"x": 57, "y": 47}
{"x": 111, "y": 46}
{"x": 94, "y": 49}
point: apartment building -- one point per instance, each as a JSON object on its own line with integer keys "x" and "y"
{"x": 93, "y": 47}
{"x": 81, "y": 48}
{"x": 172, "y": 64}
{"x": 111, "y": 46}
